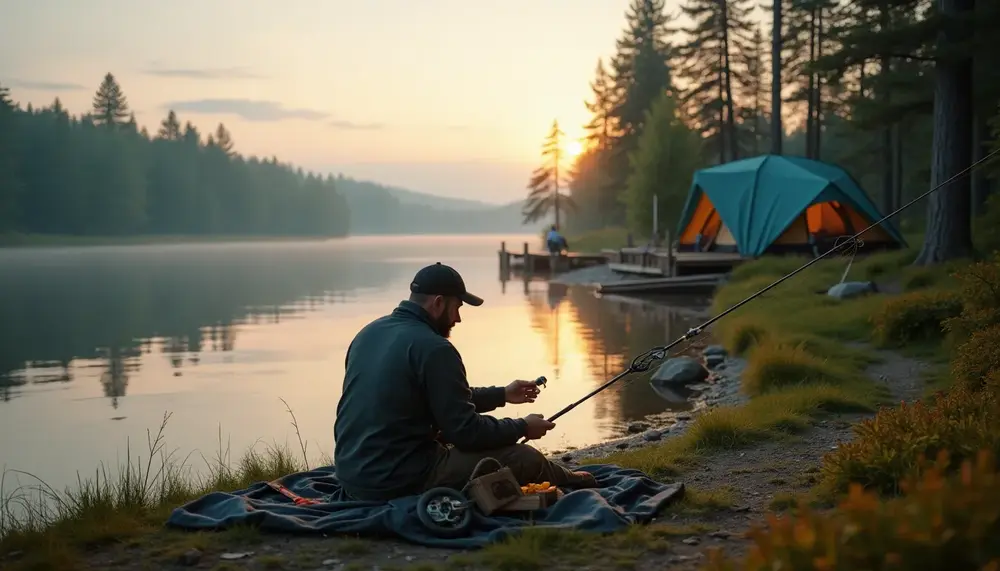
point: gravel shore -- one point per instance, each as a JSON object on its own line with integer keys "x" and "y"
{"x": 722, "y": 388}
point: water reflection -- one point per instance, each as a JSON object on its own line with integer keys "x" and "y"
{"x": 612, "y": 333}
{"x": 107, "y": 309}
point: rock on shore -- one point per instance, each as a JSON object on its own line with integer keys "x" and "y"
{"x": 721, "y": 388}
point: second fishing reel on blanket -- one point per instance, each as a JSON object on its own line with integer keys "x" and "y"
{"x": 492, "y": 487}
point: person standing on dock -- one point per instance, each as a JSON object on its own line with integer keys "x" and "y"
{"x": 408, "y": 421}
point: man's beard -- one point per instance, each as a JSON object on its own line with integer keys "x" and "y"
{"x": 441, "y": 323}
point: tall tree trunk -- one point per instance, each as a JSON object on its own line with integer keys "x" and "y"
{"x": 810, "y": 91}
{"x": 818, "y": 129}
{"x": 756, "y": 120}
{"x": 888, "y": 188}
{"x": 722, "y": 109}
{"x": 734, "y": 152}
{"x": 776, "y": 130}
{"x": 555, "y": 183}
{"x": 947, "y": 235}
{"x": 897, "y": 175}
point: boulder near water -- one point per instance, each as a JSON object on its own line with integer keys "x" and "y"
{"x": 680, "y": 370}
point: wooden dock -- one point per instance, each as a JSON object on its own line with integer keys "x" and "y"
{"x": 657, "y": 270}
{"x": 667, "y": 262}
{"x": 690, "y": 284}
{"x": 533, "y": 262}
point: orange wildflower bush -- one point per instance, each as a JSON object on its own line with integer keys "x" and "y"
{"x": 945, "y": 519}
{"x": 889, "y": 447}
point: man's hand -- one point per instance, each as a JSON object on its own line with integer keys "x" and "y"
{"x": 537, "y": 426}
{"x": 520, "y": 392}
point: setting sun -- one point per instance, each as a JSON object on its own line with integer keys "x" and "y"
{"x": 573, "y": 148}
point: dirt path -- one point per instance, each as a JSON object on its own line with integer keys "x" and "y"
{"x": 764, "y": 477}
{"x": 757, "y": 479}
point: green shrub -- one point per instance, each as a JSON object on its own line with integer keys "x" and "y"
{"x": 941, "y": 523}
{"x": 915, "y": 317}
{"x": 776, "y": 365}
{"x": 888, "y": 448}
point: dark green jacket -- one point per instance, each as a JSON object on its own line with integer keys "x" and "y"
{"x": 403, "y": 382}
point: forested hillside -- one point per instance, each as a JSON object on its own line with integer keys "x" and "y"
{"x": 900, "y": 93}
{"x": 101, "y": 174}
{"x": 376, "y": 209}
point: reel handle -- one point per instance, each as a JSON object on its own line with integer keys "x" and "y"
{"x": 541, "y": 382}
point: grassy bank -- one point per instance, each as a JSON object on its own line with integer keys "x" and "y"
{"x": 806, "y": 355}
{"x": 52, "y": 529}
{"x": 596, "y": 240}
{"x": 918, "y": 486}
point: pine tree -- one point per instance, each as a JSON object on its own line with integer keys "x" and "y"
{"x": 591, "y": 185}
{"x": 170, "y": 128}
{"x": 110, "y": 105}
{"x": 720, "y": 27}
{"x": 641, "y": 73}
{"x": 223, "y": 140}
{"x": 752, "y": 76}
{"x": 546, "y": 181}
{"x": 601, "y": 128}
{"x": 663, "y": 166}
{"x": 5, "y": 101}
{"x": 11, "y": 187}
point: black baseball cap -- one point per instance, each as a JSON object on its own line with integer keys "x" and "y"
{"x": 439, "y": 279}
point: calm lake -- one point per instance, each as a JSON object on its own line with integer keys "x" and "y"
{"x": 97, "y": 343}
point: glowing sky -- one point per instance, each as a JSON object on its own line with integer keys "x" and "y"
{"x": 451, "y": 97}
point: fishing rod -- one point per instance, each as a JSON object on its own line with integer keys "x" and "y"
{"x": 644, "y": 361}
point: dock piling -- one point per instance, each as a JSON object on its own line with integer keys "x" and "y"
{"x": 504, "y": 260}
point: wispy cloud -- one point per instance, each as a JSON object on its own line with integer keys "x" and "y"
{"x": 352, "y": 126}
{"x": 249, "y": 109}
{"x": 46, "y": 85}
{"x": 202, "y": 73}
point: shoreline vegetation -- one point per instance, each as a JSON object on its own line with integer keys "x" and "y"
{"x": 806, "y": 362}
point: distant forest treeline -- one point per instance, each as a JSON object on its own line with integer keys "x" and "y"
{"x": 100, "y": 174}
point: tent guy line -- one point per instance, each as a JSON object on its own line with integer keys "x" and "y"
{"x": 644, "y": 361}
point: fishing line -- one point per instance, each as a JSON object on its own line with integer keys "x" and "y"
{"x": 850, "y": 245}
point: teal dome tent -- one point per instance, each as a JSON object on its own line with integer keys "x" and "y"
{"x": 774, "y": 204}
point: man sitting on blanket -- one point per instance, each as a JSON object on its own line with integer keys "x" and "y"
{"x": 407, "y": 420}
